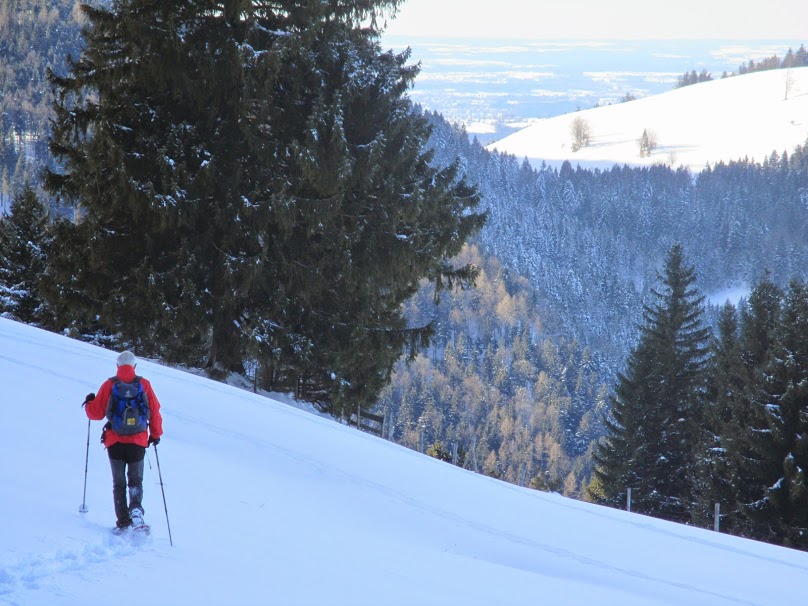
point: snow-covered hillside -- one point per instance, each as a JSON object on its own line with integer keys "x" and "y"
{"x": 727, "y": 119}
{"x": 270, "y": 504}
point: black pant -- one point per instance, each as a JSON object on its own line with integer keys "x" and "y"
{"x": 126, "y": 461}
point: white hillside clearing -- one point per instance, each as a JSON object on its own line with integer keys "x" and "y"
{"x": 747, "y": 116}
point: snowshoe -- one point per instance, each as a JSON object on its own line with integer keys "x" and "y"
{"x": 121, "y": 528}
{"x": 140, "y": 529}
{"x": 138, "y": 525}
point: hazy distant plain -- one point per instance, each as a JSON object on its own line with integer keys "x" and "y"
{"x": 496, "y": 85}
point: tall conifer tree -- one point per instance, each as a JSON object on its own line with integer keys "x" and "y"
{"x": 253, "y": 184}
{"x": 657, "y": 405}
{"x": 781, "y": 514}
{"x": 746, "y": 436}
{"x": 726, "y": 388}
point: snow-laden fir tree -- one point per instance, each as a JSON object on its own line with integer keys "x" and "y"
{"x": 746, "y": 436}
{"x": 24, "y": 239}
{"x": 727, "y": 381}
{"x": 657, "y": 408}
{"x": 253, "y": 185}
{"x": 781, "y": 514}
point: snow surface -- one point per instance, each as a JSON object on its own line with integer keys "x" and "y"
{"x": 721, "y": 120}
{"x": 271, "y": 504}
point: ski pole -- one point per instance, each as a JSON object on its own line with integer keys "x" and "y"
{"x": 165, "y": 507}
{"x": 83, "y": 508}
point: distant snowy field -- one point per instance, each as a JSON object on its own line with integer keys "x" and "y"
{"x": 728, "y": 119}
{"x": 270, "y": 504}
{"x": 494, "y": 87}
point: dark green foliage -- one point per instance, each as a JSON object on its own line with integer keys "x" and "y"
{"x": 727, "y": 381}
{"x": 750, "y": 447}
{"x": 745, "y": 435}
{"x": 252, "y": 185}
{"x": 761, "y": 409}
{"x": 780, "y": 514}
{"x": 72, "y": 308}
{"x": 657, "y": 408}
{"x": 24, "y": 238}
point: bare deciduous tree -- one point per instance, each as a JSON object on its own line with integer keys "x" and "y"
{"x": 581, "y": 132}
{"x": 789, "y": 83}
{"x": 648, "y": 142}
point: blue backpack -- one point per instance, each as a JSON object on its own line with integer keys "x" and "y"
{"x": 128, "y": 407}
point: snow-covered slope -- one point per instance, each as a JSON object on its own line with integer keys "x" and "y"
{"x": 270, "y": 504}
{"x": 727, "y": 119}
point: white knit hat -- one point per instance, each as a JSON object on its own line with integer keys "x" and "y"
{"x": 126, "y": 358}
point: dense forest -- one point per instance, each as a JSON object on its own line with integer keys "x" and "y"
{"x": 514, "y": 377}
{"x": 592, "y": 242}
{"x": 35, "y": 36}
{"x": 710, "y": 428}
{"x": 499, "y": 386}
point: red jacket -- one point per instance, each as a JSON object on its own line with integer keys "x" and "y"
{"x": 97, "y": 410}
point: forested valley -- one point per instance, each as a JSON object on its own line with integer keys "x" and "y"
{"x": 570, "y": 259}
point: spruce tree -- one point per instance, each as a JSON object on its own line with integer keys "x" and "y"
{"x": 652, "y": 435}
{"x": 726, "y": 388}
{"x": 24, "y": 240}
{"x": 253, "y": 185}
{"x": 746, "y": 436}
{"x": 781, "y": 514}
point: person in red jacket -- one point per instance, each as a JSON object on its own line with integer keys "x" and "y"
{"x": 126, "y": 452}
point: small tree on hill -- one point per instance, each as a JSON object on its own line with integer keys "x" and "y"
{"x": 581, "y": 132}
{"x": 648, "y": 143}
{"x": 789, "y": 83}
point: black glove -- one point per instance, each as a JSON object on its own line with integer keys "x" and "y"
{"x": 90, "y": 396}
{"x": 154, "y": 441}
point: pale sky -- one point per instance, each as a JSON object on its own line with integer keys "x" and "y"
{"x": 610, "y": 19}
